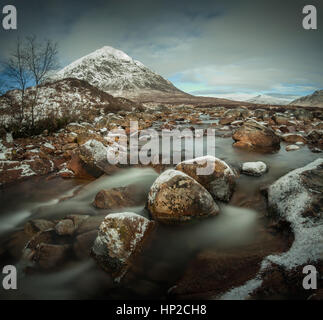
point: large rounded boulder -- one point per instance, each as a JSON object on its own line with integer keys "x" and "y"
{"x": 253, "y": 135}
{"x": 120, "y": 238}
{"x": 213, "y": 174}
{"x": 176, "y": 197}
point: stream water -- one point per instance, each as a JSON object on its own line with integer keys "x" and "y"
{"x": 171, "y": 248}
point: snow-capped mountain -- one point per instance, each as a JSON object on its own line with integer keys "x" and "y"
{"x": 313, "y": 100}
{"x": 266, "y": 99}
{"x": 114, "y": 72}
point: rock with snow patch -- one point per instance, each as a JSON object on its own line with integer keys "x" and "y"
{"x": 176, "y": 197}
{"x": 257, "y": 168}
{"x": 217, "y": 176}
{"x": 292, "y": 147}
{"x": 94, "y": 154}
{"x": 297, "y": 198}
{"x": 120, "y": 238}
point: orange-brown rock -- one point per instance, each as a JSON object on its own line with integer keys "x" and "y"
{"x": 252, "y": 135}
{"x": 176, "y": 197}
{"x": 220, "y": 181}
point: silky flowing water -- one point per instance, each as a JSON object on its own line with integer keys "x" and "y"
{"x": 171, "y": 248}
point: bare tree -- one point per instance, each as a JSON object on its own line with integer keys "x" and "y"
{"x": 41, "y": 58}
{"x": 16, "y": 70}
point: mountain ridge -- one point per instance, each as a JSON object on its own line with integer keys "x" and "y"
{"x": 312, "y": 100}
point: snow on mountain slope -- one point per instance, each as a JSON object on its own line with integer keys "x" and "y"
{"x": 266, "y": 99}
{"x": 114, "y": 72}
{"x": 313, "y": 100}
{"x": 61, "y": 99}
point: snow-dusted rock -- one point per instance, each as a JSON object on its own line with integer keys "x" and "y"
{"x": 219, "y": 181}
{"x": 121, "y": 236}
{"x": 297, "y": 198}
{"x": 292, "y": 147}
{"x": 176, "y": 197}
{"x": 95, "y": 155}
{"x": 257, "y": 168}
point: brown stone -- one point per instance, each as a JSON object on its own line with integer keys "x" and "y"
{"x": 220, "y": 182}
{"x": 252, "y": 135}
{"x": 176, "y": 197}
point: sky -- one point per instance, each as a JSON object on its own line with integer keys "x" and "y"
{"x": 216, "y": 48}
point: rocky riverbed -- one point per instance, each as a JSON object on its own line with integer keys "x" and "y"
{"x": 79, "y": 227}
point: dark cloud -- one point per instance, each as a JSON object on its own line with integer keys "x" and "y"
{"x": 236, "y": 46}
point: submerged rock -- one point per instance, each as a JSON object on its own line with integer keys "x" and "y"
{"x": 32, "y": 227}
{"x": 65, "y": 227}
{"x": 220, "y": 181}
{"x": 115, "y": 198}
{"x": 176, "y": 197}
{"x": 254, "y": 168}
{"x": 252, "y": 135}
{"x": 49, "y": 256}
{"x": 121, "y": 236}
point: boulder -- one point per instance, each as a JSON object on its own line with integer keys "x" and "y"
{"x": 315, "y": 137}
{"x": 176, "y": 197}
{"x": 303, "y": 114}
{"x": 293, "y": 138}
{"x": 94, "y": 154}
{"x": 261, "y": 114}
{"x": 34, "y": 226}
{"x": 116, "y": 198}
{"x": 83, "y": 244}
{"x": 76, "y": 165}
{"x": 233, "y": 114}
{"x": 257, "y": 168}
{"x": 120, "y": 238}
{"x": 282, "y": 119}
{"x": 65, "y": 227}
{"x": 252, "y": 135}
{"x": 220, "y": 182}
{"x": 49, "y": 256}
{"x": 297, "y": 199}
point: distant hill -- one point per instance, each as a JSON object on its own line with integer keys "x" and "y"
{"x": 313, "y": 100}
{"x": 266, "y": 99}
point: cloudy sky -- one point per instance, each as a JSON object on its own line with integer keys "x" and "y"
{"x": 212, "y": 47}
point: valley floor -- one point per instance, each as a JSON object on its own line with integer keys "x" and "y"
{"x": 57, "y": 189}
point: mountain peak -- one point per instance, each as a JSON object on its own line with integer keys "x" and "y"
{"x": 111, "y": 52}
{"x": 114, "y": 72}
